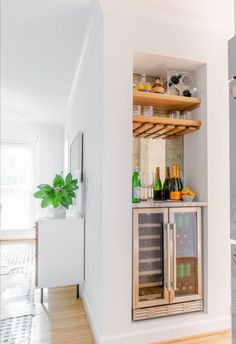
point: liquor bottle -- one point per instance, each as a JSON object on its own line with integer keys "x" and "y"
{"x": 190, "y": 93}
{"x": 179, "y": 178}
{"x": 158, "y": 87}
{"x": 136, "y": 187}
{"x": 174, "y": 80}
{"x": 157, "y": 187}
{"x": 175, "y": 192}
{"x": 166, "y": 185}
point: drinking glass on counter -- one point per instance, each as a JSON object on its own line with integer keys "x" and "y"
{"x": 147, "y": 181}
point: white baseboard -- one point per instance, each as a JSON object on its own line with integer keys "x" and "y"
{"x": 89, "y": 315}
{"x": 145, "y": 336}
{"x": 169, "y": 333}
{"x": 17, "y": 234}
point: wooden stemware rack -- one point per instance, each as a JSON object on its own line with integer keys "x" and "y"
{"x": 161, "y": 127}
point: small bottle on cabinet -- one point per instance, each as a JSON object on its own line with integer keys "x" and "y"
{"x": 136, "y": 187}
{"x": 179, "y": 178}
{"x": 157, "y": 188}
{"x": 175, "y": 189}
{"x": 166, "y": 185}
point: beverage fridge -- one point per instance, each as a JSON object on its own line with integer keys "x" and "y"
{"x": 232, "y": 101}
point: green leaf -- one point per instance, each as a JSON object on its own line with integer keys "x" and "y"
{"x": 69, "y": 178}
{"x": 64, "y": 192}
{"x": 72, "y": 194}
{"x": 69, "y": 199}
{"x": 58, "y": 181}
{"x": 65, "y": 203}
{"x": 40, "y": 194}
{"x": 45, "y": 187}
{"x": 57, "y": 200}
{"x": 46, "y": 202}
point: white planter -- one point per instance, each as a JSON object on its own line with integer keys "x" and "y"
{"x": 56, "y": 213}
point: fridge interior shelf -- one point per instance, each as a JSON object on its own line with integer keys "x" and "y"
{"x": 166, "y": 102}
{"x": 162, "y": 127}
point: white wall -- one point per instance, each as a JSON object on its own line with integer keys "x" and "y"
{"x": 127, "y": 31}
{"x": 85, "y": 114}
{"x": 49, "y": 140}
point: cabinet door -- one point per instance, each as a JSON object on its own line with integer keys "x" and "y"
{"x": 186, "y": 254}
{"x": 150, "y": 257}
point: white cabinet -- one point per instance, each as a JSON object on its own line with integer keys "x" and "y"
{"x": 59, "y": 252}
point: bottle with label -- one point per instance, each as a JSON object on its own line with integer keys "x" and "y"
{"x": 136, "y": 187}
{"x": 166, "y": 185}
{"x": 175, "y": 192}
{"x": 157, "y": 187}
{"x": 179, "y": 178}
{"x": 158, "y": 87}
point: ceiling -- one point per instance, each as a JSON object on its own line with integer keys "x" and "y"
{"x": 41, "y": 45}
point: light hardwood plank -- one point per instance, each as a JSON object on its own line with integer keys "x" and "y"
{"x": 61, "y": 319}
{"x": 221, "y": 337}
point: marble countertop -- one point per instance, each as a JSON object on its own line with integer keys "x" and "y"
{"x": 168, "y": 204}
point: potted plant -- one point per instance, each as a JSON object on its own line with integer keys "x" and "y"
{"x": 59, "y": 195}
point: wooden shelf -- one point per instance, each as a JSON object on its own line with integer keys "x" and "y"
{"x": 162, "y": 127}
{"x": 165, "y": 102}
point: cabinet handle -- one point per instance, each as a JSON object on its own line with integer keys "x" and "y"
{"x": 167, "y": 255}
{"x": 234, "y": 257}
{"x": 174, "y": 282}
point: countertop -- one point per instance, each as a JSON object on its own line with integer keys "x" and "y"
{"x": 168, "y": 204}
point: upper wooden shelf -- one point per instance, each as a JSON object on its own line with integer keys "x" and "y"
{"x": 162, "y": 127}
{"x": 166, "y": 102}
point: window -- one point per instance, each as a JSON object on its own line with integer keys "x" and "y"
{"x": 17, "y": 179}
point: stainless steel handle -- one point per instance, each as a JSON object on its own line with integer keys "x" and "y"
{"x": 167, "y": 255}
{"x": 173, "y": 240}
{"x": 234, "y": 257}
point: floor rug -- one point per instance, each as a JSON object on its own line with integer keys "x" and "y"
{"x": 17, "y": 293}
{"x": 16, "y": 330}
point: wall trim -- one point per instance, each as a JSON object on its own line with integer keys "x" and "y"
{"x": 153, "y": 335}
{"x": 89, "y": 315}
{"x": 209, "y": 326}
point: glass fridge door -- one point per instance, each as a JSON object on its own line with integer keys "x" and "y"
{"x": 186, "y": 254}
{"x": 150, "y": 251}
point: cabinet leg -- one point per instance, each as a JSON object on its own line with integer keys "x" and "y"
{"x": 41, "y": 295}
{"x": 77, "y": 291}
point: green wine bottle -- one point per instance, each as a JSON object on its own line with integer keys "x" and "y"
{"x": 136, "y": 187}
{"x": 166, "y": 185}
{"x": 157, "y": 187}
{"x": 179, "y": 178}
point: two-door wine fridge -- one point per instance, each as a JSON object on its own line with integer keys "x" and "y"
{"x": 167, "y": 261}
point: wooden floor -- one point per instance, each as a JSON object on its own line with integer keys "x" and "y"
{"x": 61, "y": 320}
{"x": 218, "y": 338}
